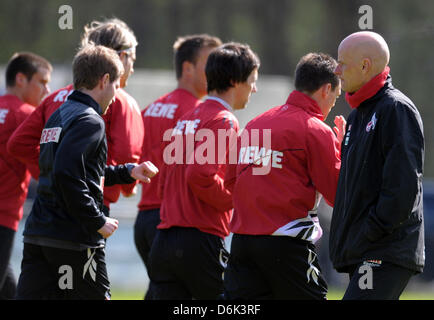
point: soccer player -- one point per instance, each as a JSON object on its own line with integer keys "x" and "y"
{"x": 190, "y": 56}
{"x": 288, "y": 158}
{"x": 63, "y": 256}
{"x": 377, "y": 219}
{"x": 188, "y": 255}
{"x": 123, "y": 122}
{"x": 27, "y": 78}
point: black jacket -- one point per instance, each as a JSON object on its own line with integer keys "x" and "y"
{"x": 378, "y": 211}
{"x": 67, "y": 211}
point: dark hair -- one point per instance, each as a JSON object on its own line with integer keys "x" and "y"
{"x": 187, "y": 49}
{"x": 27, "y": 63}
{"x": 110, "y": 33}
{"x": 92, "y": 62}
{"x": 313, "y": 71}
{"x": 229, "y": 64}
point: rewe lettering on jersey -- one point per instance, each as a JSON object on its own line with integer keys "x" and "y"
{"x": 62, "y": 95}
{"x": 258, "y": 156}
{"x": 185, "y": 127}
{"x": 3, "y": 114}
{"x": 161, "y": 110}
{"x": 50, "y": 135}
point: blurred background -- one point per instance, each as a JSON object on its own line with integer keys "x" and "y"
{"x": 280, "y": 31}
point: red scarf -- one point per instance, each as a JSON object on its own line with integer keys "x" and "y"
{"x": 368, "y": 90}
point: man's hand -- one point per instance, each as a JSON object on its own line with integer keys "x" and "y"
{"x": 144, "y": 171}
{"x": 340, "y": 128}
{"x": 108, "y": 228}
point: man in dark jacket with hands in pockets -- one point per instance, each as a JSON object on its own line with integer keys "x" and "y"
{"x": 377, "y": 233}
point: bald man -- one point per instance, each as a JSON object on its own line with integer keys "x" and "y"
{"x": 376, "y": 233}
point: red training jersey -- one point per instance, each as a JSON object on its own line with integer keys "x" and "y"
{"x": 278, "y": 180}
{"x": 14, "y": 174}
{"x": 193, "y": 186}
{"x": 158, "y": 117}
{"x": 124, "y": 132}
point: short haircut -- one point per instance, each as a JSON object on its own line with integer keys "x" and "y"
{"x": 26, "y": 63}
{"x": 111, "y": 33}
{"x": 187, "y": 49}
{"x": 313, "y": 71}
{"x": 229, "y": 64}
{"x": 91, "y": 63}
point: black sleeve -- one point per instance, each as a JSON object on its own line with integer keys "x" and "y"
{"x": 119, "y": 174}
{"x": 82, "y": 137}
{"x": 402, "y": 144}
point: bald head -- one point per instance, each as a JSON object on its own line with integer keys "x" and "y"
{"x": 366, "y": 53}
{"x": 370, "y": 45}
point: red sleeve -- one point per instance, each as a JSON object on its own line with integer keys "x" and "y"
{"x": 24, "y": 142}
{"x": 161, "y": 180}
{"x": 207, "y": 180}
{"x": 324, "y": 161}
{"x": 125, "y": 132}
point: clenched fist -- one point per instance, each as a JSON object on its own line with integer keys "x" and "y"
{"x": 144, "y": 171}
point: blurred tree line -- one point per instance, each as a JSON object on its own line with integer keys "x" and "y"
{"x": 280, "y": 31}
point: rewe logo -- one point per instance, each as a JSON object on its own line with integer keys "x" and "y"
{"x": 62, "y": 95}
{"x": 50, "y": 135}
{"x": 260, "y": 156}
{"x": 160, "y": 110}
{"x": 186, "y": 127}
{"x": 371, "y": 124}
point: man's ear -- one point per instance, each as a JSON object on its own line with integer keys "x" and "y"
{"x": 187, "y": 68}
{"x": 20, "y": 80}
{"x": 123, "y": 56}
{"x": 104, "y": 81}
{"x": 366, "y": 65}
{"x": 326, "y": 89}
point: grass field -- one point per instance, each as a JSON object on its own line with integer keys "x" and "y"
{"x": 332, "y": 295}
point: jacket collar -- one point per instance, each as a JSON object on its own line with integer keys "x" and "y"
{"x": 368, "y": 90}
{"x": 85, "y": 99}
{"x": 303, "y": 101}
{"x": 221, "y": 101}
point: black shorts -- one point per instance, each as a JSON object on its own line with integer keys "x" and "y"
{"x": 273, "y": 267}
{"x": 53, "y": 273}
{"x": 145, "y": 228}
{"x": 7, "y": 278}
{"x": 186, "y": 263}
{"x": 377, "y": 280}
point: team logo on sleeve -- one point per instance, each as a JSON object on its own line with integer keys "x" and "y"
{"x": 347, "y": 135}
{"x": 50, "y": 135}
{"x": 372, "y": 123}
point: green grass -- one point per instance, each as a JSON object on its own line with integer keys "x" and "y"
{"x": 332, "y": 295}
{"x": 127, "y": 295}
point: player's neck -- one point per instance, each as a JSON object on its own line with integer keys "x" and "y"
{"x": 14, "y": 91}
{"x": 227, "y": 96}
{"x": 185, "y": 85}
{"x": 94, "y": 94}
